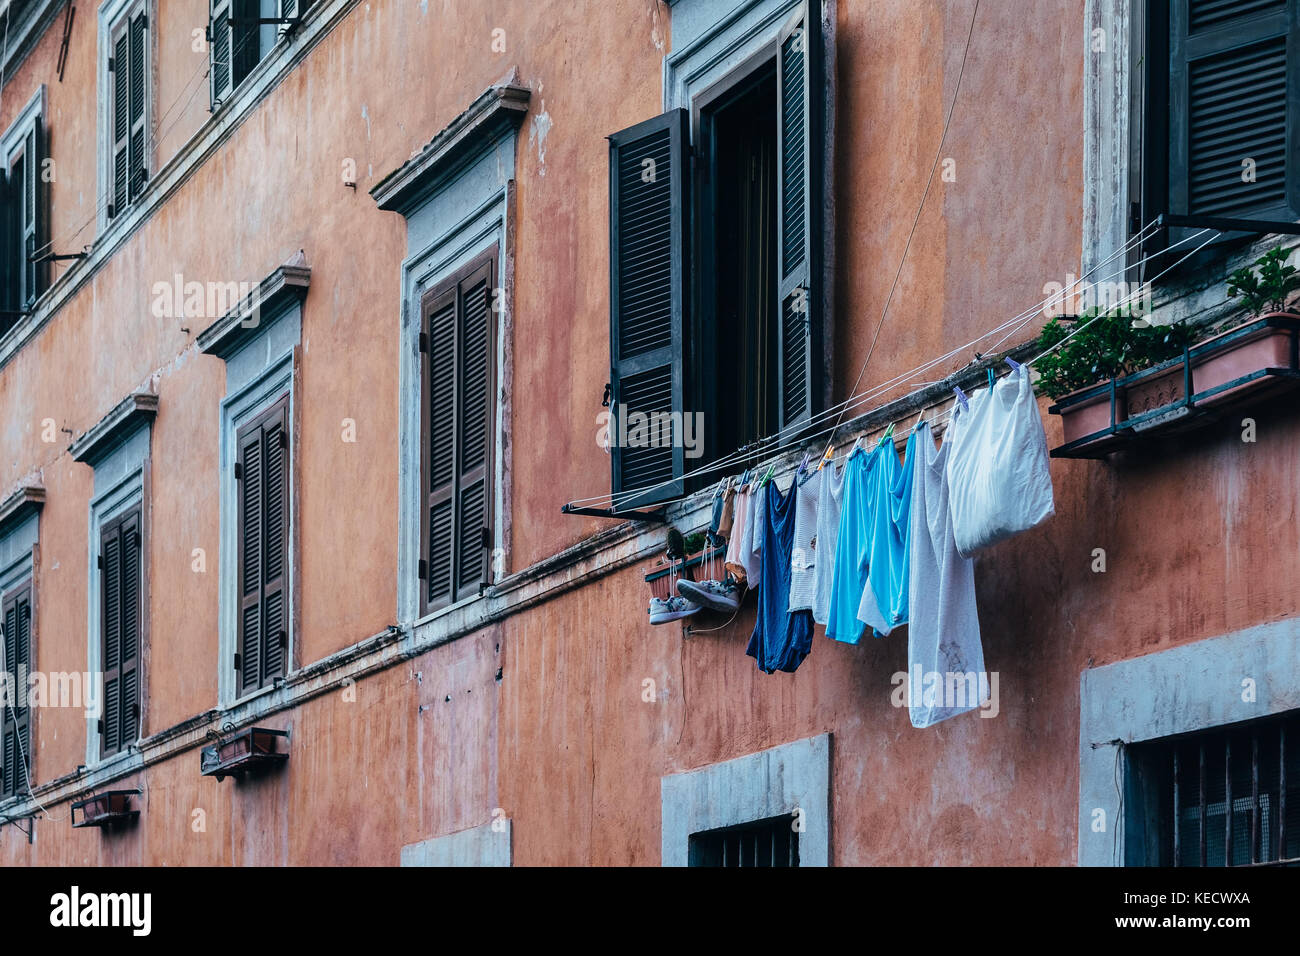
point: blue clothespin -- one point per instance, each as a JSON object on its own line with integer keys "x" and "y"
{"x": 961, "y": 397}
{"x": 803, "y": 465}
{"x": 992, "y": 378}
{"x": 1015, "y": 366}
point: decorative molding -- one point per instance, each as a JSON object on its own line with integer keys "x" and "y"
{"x": 27, "y": 21}
{"x": 497, "y": 110}
{"x": 132, "y": 412}
{"x": 226, "y": 336}
{"x": 26, "y": 501}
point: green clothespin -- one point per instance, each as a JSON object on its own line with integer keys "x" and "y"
{"x": 768, "y": 477}
{"x": 889, "y": 432}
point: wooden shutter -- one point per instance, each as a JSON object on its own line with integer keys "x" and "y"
{"x": 458, "y": 344}
{"x": 121, "y": 121}
{"x": 262, "y": 473}
{"x": 800, "y": 121}
{"x": 15, "y": 727}
{"x": 39, "y": 229}
{"x": 138, "y": 143}
{"x": 121, "y": 620}
{"x": 649, "y": 183}
{"x": 9, "y": 249}
{"x": 219, "y": 75}
{"x": 1234, "y": 94}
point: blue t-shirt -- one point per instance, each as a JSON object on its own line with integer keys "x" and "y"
{"x": 782, "y": 638}
{"x": 884, "y": 601}
{"x": 850, "y": 577}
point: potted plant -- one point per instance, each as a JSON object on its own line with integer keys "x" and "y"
{"x": 1108, "y": 345}
{"x": 1143, "y": 369}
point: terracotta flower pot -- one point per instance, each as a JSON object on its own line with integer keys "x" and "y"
{"x": 1215, "y": 364}
{"x": 1089, "y": 415}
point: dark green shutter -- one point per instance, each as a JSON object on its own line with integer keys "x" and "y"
{"x": 1234, "y": 93}
{"x": 9, "y": 251}
{"x": 138, "y": 144}
{"x": 40, "y": 228}
{"x": 263, "y": 529}
{"x": 649, "y": 173}
{"x": 800, "y": 121}
{"x": 15, "y": 725}
{"x": 121, "y": 621}
{"x": 458, "y": 424}
{"x": 121, "y": 103}
{"x": 219, "y": 51}
{"x": 233, "y": 45}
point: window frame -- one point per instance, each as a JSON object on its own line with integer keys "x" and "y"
{"x": 132, "y": 508}
{"x": 27, "y": 137}
{"x": 115, "y": 16}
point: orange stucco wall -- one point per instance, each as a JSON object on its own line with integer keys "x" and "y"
{"x": 563, "y": 742}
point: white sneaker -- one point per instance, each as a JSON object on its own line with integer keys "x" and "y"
{"x": 666, "y": 610}
{"x": 721, "y": 596}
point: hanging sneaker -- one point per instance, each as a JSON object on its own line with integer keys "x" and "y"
{"x": 721, "y": 596}
{"x": 666, "y": 610}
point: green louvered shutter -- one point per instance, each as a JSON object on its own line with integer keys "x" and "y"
{"x": 1234, "y": 110}
{"x": 800, "y": 122}
{"x": 649, "y": 167}
{"x": 15, "y": 723}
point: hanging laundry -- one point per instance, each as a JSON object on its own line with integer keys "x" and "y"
{"x": 803, "y": 556}
{"x": 830, "y": 494}
{"x": 728, "y": 500}
{"x": 850, "y": 576}
{"x": 755, "y": 527}
{"x": 943, "y": 634}
{"x": 998, "y": 479}
{"x": 738, "y": 543}
{"x": 781, "y": 638}
{"x": 884, "y": 599}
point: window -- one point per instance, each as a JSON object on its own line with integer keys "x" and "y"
{"x": 458, "y": 348}
{"x": 16, "y": 725}
{"x": 771, "y": 842}
{"x": 262, "y": 473}
{"x": 1217, "y": 131}
{"x": 1181, "y": 789}
{"x": 716, "y": 265}
{"x": 24, "y": 214}
{"x": 240, "y": 33}
{"x": 121, "y": 621}
{"x": 128, "y": 85}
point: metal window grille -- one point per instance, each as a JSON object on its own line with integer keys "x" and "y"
{"x": 1182, "y": 789}
{"x": 772, "y": 842}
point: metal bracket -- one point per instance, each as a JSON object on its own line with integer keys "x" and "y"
{"x": 1168, "y": 220}
{"x": 659, "y": 515}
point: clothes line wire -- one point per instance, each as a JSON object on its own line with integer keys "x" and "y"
{"x": 756, "y": 449}
{"x": 754, "y": 454}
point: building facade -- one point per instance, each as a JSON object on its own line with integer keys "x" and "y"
{"x": 314, "y": 318}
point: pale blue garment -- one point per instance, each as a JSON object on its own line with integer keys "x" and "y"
{"x": 885, "y": 598}
{"x": 861, "y": 471}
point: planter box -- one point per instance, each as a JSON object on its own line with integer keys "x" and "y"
{"x": 1244, "y": 364}
{"x": 248, "y": 750}
{"x": 110, "y": 808}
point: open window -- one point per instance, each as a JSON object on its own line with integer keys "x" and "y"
{"x": 1217, "y": 114}
{"x": 24, "y": 216}
{"x": 716, "y": 269}
{"x": 240, "y": 34}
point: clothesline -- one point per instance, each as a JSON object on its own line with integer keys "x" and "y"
{"x": 755, "y": 449}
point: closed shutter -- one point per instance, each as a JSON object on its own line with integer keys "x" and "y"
{"x": 121, "y": 617}
{"x": 262, "y": 473}
{"x": 15, "y": 728}
{"x": 649, "y": 182}
{"x": 39, "y": 229}
{"x": 219, "y": 50}
{"x": 232, "y": 45}
{"x": 1234, "y": 96}
{"x": 458, "y": 360}
{"x": 800, "y": 120}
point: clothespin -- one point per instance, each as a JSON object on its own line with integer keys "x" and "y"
{"x": 826, "y": 458}
{"x": 1015, "y": 366}
{"x": 768, "y": 477}
{"x": 803, "y": 465}
{"x": 919, "y": 419}
{"x": 961, "y": 397}
{"x": 889, "y": 432}
{"x": 992, "y": 378}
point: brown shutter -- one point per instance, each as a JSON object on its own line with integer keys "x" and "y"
{"x": 15, "y": 728}
{"x": 263, "y": 522}
{"x": 458, "y": 361}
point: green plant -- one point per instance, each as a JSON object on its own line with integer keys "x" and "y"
{"x": 1267, "y": 289}
{"x": 1106, "y": 345}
